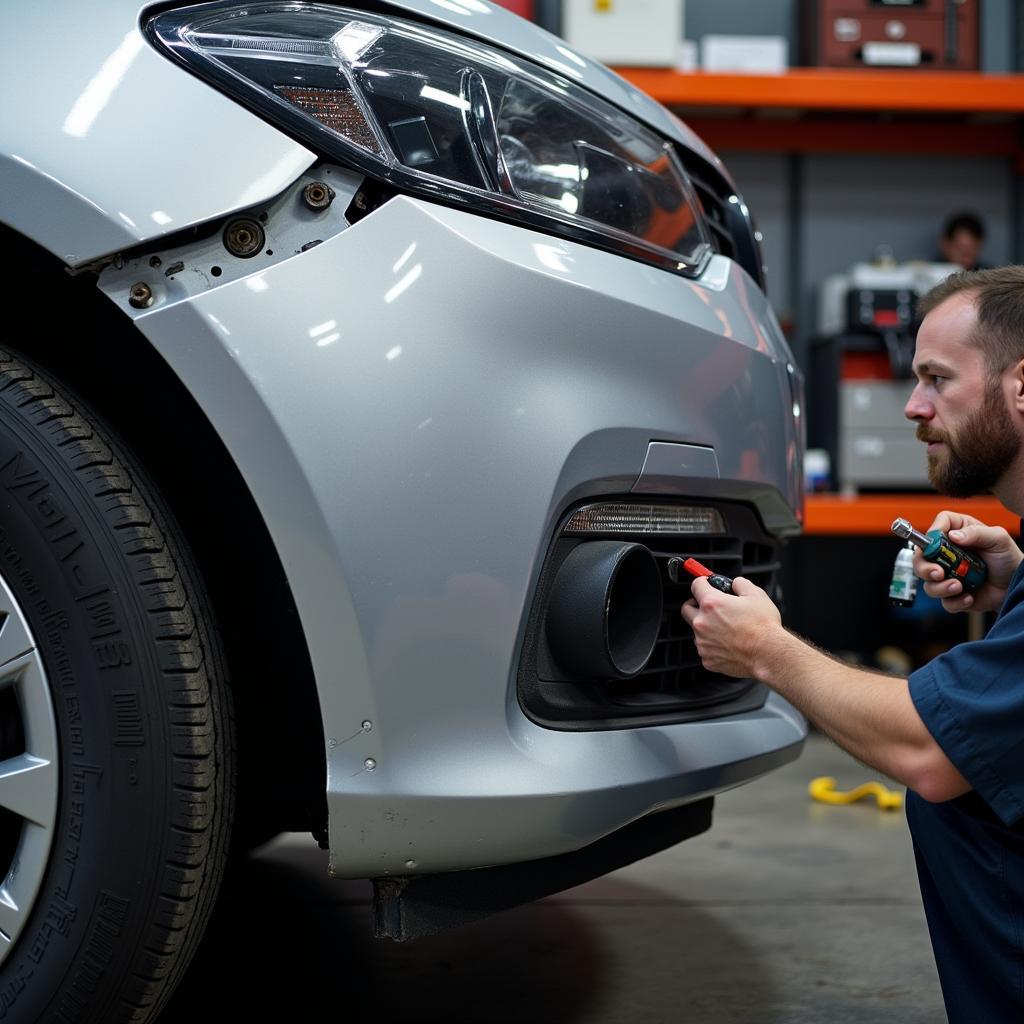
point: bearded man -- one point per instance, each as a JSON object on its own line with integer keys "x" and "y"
{"x": 953, "y": 732}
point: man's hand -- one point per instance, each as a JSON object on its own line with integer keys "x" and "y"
{"x": 992, "y": 544}
{"x": 731, "y": 630}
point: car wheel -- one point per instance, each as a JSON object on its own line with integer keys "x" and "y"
{"x": 115, "y": 724}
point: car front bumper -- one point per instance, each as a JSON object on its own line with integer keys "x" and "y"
{"x": 414, "y": 403}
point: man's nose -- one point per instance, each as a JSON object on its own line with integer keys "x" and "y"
{"x": 918, "y": 407}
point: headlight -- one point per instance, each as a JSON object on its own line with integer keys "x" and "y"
{"x": 441, "y": 115}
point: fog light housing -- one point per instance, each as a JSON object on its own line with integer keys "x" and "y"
{"x": 627, "y": 517}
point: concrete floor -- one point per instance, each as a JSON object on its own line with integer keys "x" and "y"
{"x": 786, "y": 912}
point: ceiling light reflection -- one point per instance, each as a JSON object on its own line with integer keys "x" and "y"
{"x": 462, "y": 6}
{"x": 97, "y": 93}
{"x": 327, "y": 325}
{"x": 404, "y": 258}
{"x": 449, "y": 99}
{"x": 553, "y": 257}
{"x": 217, "y": 323}
{"x": 574, "y": 57}
{"x": 406, "y": 282}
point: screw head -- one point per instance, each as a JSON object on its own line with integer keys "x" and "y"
{"x": 244, "y": 237}
{"x": 318, "y": 195}
{"x": 140, "y": 296}
{"x": 369, "y": 764}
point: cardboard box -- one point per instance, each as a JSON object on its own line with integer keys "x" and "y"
{"x": 628, "y": 33}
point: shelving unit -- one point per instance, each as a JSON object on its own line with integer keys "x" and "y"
{"x": 820, "y": 110}
{"x": 872, "y": 514}
{"x": 833, "y": 89}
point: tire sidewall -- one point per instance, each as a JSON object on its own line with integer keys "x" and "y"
{"x": 64, "y": 562}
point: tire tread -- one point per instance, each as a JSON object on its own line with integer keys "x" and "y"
{"x": 188, "y": 654}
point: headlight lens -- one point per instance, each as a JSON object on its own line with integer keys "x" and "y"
{"x": 438, "y": 114}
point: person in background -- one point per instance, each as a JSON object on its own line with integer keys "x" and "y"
{"x": 961, "y": 241}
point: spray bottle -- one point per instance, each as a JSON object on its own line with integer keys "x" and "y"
{"x": 903, "y": 586}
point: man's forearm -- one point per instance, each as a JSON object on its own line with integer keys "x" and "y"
{"x": 870, "y": 715}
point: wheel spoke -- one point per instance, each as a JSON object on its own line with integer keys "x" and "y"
{"x": 29, "y": 768}
{"x": 11, "y": 916}
{"x": 27, "y": 788}
{"x": 14, "y": 640}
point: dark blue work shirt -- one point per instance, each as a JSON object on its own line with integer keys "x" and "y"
{"x": 970, "y": 851}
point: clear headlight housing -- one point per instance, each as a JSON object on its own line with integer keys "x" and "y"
{"x": 438, "y": 114}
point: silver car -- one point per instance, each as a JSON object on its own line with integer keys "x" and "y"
{"x": 365, "y": 366}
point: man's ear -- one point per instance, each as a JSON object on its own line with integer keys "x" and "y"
{"x": 1018, "y": 386}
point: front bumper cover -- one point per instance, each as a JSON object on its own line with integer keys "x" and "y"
{"x": 414, "y": 403}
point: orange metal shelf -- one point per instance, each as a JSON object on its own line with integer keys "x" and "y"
{"x": 833, "y": 135}
{"x": 836, "y": 89}
{"x": 874, "y": 513}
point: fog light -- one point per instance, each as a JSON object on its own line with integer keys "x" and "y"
{"x": 618, "y": 517}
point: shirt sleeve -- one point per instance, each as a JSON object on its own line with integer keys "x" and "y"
{"x": 971, "y": 699}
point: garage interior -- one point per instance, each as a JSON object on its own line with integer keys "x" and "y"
{"x": 788, "y": 910}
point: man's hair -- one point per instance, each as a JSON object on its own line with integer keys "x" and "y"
{"x": 998, "y": 298}
{"x": 964, "y": 220}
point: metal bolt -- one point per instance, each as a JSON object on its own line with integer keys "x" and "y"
{"x": 369, "y": 764}
{"x": 318, "y": 195}
{"x": 367, "y": 725}
{"x": 410, "y": 863}
{"x": 154, "y": 261}
{"x": 244, "y": 237}
{"x": 140, "y": 296}
{"x": 359, "y": 201}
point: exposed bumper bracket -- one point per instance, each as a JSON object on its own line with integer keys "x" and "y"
{"x": 413, "y": 907}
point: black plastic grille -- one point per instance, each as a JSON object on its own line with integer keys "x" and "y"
{"x": 673, "y": 686}
{"x": 731, "y": 227}
{"x": 674, "y": 667}
{"x": 713, "y": 200}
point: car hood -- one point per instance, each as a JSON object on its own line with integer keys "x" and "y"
{"x": 502, "y": 28}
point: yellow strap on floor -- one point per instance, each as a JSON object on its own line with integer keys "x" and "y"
{"x": 824, "y": 789}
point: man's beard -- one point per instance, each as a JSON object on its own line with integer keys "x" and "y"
{"x": 978, "y": 454}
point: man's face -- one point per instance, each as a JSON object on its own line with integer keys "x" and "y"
{"x": 959, "y": 407}
{"x": 963, "y": 249}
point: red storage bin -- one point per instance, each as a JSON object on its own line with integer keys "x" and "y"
{"x": 521, "y": 7}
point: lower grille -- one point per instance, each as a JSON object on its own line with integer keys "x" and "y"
{"x": 673, "y": 686}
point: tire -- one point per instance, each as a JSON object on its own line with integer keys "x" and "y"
{"x": 114, "y": 706}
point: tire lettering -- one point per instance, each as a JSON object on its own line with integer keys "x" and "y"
{"x": 13, "y": 989}
{"x": 99, "y": 952}
{"x": 80, "y": 772}
{"x": 127, "y": 719}
{"x": 60, "y": 915}
{"x": 113, "y": 654}
{"x": 14, "y": 476}
{"x": 19, "y": 571}
{"x": 102, "y": 619}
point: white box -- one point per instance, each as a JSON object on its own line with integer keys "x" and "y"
{"x": 625, "y": 32}
{"x": 754, "y": 54}
{"x": 687, "y": 56}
